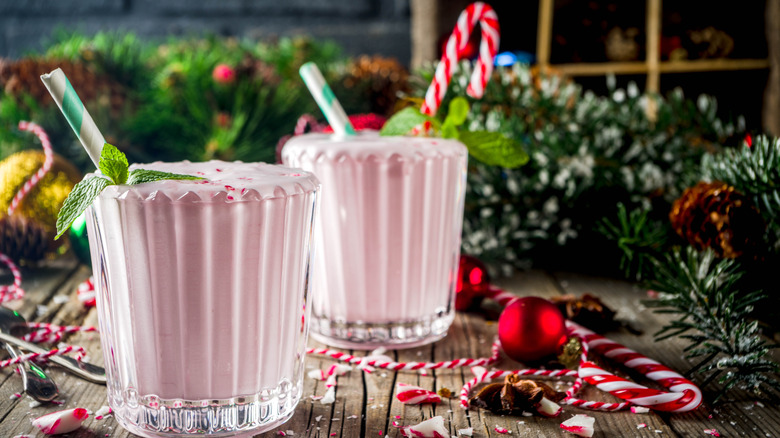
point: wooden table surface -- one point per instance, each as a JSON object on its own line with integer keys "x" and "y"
{"x": 365, "y": 403}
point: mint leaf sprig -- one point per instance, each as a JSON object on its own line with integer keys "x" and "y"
{"x": 115, "y": 168}
{"x": 491, "y": 148}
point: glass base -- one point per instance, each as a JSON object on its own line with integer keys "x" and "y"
{"x": 393, "y": 335}
{"x": 152, "y": 417}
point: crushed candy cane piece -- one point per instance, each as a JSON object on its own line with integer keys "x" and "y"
{"x": 639, "y": 409}
{"x": 331, "y": 381}
{"x": 395, "y": 423}
{"x": 414, "y": 395}
{"x": 103, "y": 412}
{"x": 580, "y": 425}
{"x": 431, "y": 428}
{"x": 281, "y": 433}
{"x": 759, "y": 404}
{"x": 16, "y": 395}
{"x": 466, "y": 432}
{"x": 61, "y": 421}
{"x": 318, "y": 418}
{"x": 641, "y": 425}
{"x": 501, "y": 430}
{"x": 548, "y": 408}
{"x": 713, "y": 432}
{"x": 355, "y": 416}
{"x": 330, "y": 396}
{"x": 339, "y": 369}
{"x": 316, "y": 397}
{"x": 316, "y": 375}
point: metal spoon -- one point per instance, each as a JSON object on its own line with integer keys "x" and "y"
{"x": 87, "y": 371}
{"x": 37, "y": 384}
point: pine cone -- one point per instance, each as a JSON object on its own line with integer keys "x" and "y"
{"x": 23, "y": 240}
{"x": 382, "y": 78}
{"x": 24, "y": 76}
{"x": 715, "y": 215}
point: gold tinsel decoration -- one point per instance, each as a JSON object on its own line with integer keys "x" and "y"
{"x": 36, "y": 216}
{"x": 383, "y": 79}
{"x": 715, "y": 215}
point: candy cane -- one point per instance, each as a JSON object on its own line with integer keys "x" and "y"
{"x": 86, "y": 292}
{"x": 685, "y": 395}
{"x": 488, "y": 20}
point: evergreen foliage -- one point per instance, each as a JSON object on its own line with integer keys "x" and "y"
{"x": 712, "y": 315}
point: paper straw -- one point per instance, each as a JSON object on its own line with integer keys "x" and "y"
{"x": 325, "y": 98}
{"x": 79, "y": 119}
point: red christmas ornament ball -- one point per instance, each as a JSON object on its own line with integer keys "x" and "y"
{"x": 531, "y": 328}
{"x": 472, "y": 283}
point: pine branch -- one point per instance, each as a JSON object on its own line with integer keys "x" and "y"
{"x": 638, "y": 237}
{"x": 753, "y": 170}
{"x": 714, "y": 320}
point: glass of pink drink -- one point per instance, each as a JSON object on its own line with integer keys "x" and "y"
{"x": 389, "y": 238}
{"x": 201, "y": 293}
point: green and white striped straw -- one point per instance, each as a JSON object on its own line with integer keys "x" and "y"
{"x": 325, "y": 98}
{"x": 79, "y": 119}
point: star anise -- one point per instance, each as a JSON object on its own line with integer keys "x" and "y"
{"x": 588, "y": 311}
{"x": 514, "y": 396}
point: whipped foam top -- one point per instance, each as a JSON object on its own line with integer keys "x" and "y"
{"x": 368, "y": 142}
{"x": 224, "y": 182}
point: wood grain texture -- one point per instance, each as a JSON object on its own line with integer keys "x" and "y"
{"x": 365, "y": 403}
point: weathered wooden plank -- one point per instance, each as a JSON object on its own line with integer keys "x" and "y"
{"x": 748, "y": 419}
{"x": 455, "y": 345}
{"x": 371, "y": 397}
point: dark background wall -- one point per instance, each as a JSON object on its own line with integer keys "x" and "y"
{"x": 359, "y": 26}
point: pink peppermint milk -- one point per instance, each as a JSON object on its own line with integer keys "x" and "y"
{"x": 202, "y": 291}
{"x": 389, "y": 238}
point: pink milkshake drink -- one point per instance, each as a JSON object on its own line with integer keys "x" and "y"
{"x": 389, "y": 238}
{"x": 202, "y": 290}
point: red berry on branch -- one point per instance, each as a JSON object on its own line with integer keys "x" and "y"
{"x": 223, "y": 74}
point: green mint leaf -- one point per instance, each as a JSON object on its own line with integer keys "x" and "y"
{"x": 458, "y": 111}
{"x": 78, "y": 200}
{"x": 113, "y": 164}
{"x": 449, "y": 130}
{"x": 140, "y": 176}
{"x": 494, "y": 149}
{"x": 403, "y": 121}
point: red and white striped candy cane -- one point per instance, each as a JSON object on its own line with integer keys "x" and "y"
{"x": 488, "y": 20}
{"x": 86, "y": 292}
{"x": 685, "y": 395}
